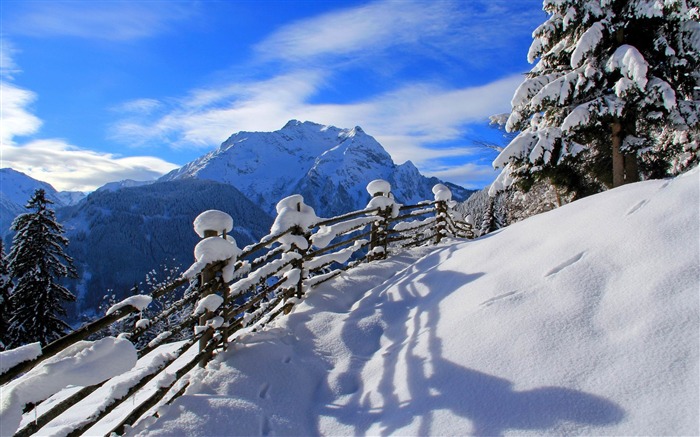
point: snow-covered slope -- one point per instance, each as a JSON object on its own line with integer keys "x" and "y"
{"x": 579, "y": 321}
{"x": 329, "y": 166}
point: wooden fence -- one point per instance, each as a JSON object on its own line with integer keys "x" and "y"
{"x": 246, "y": 291}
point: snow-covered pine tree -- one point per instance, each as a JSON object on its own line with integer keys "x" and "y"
{"x": 614, "y": 93}
{"x": 37, "y": 262}
{"x": 489, "y": 222}
{"x": 5, "y": 291}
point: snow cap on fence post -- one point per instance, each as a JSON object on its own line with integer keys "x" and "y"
{"x": 382, "y": 198}
{"x": 379, "y": 187}
{"x": 208, "y": 225}
{"x": 292, "y": 212}
{"x": 442, "y": 193}
{"x": 212, "y": 223}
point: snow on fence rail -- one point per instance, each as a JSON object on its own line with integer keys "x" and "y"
{"x": 232, "y": 290}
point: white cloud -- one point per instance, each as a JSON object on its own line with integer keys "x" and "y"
{"x": 109, "y": 20}
{"x": 67, "y": 167}
{"x": 470, "y": 175}
{"x": 16, "y": 119}
{"x": 55, "y": 161}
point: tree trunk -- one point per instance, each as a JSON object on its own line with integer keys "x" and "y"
{"x": 631, "y": 168}
{"x": 618, "y": 161}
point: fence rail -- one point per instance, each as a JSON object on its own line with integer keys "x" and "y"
{"x": 246, "y": 289}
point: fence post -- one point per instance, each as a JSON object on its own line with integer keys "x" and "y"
{"x": 443, "y": 195}
{"x": 380, "y": 190}
{"x": 294, "y": 215}
{"x": 469, "y": 222}
{"x": 211, "y": 223}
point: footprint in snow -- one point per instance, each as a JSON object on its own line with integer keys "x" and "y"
{"x": 264, "y": 391}
{"x": 265, "y": 428}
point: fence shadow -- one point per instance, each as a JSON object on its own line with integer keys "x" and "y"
{"x": 428, "y": 384}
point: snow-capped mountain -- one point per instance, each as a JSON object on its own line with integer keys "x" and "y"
{"x": 329, "y": 166}
{"x": 15, "y": 190}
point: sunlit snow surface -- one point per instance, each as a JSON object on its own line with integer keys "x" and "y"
{"x": 583, "y": 321}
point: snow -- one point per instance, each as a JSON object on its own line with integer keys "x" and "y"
{"x": 140, "y": 302}
{"x": 587, "y": 43}
{"x": 442, "y": 193}
{"x": 630, "y": 63}
{"x": 208, "y": 303}
{"x": 210, "y": 250}
{"x": 12, "y": 357}
{"x": 291, "y": 212}
{"x": 378, "y": 186}
{"x": 579, "y": 321}
{"x": 212, "y": 220}
{"x": 84, "y": 363}
{"x": 327, "y": 233}
{"x": 300, "y": 158}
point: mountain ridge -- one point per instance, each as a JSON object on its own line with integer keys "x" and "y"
{"x": 329, "y": 166}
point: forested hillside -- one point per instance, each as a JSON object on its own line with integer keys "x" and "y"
{"x": 118, "y": 237}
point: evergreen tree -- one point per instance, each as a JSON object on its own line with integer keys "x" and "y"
{"x": 613, "y": 95}
{"x": 37, "y": 262}
{"x": 5, "y": 291}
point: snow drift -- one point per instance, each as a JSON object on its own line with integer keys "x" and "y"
{"x": 580, "y": 321}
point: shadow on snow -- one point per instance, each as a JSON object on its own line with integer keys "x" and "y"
{"x": 488, "y": 402}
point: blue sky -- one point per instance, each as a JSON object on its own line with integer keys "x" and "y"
{"x": 97, "y": 91}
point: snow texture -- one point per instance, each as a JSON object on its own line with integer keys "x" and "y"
{"x": 140, "y": 302}
{"x": 631, "y": 65}
{"x": 84, "y": 363}
{"x": 442, "y": 193}
{"x": 212, "y": 220}
{"x": 210, "y": 250}
{"x": 590, "y": 331}
{"x": 378, "y": 186}
{"x": 10, "y": 358}
{"x": 587, "y": 43}
{"x": 383, "y": 197}
{"x": 293, "y": 212}
{"x": 208, "y": 303}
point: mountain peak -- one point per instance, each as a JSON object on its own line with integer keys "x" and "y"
{"x": 328, "y": 165}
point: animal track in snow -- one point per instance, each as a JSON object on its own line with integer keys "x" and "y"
{"x": 493, "y": 300}
{"x": 571, "y": 261}
{"x": 637, "y": 207}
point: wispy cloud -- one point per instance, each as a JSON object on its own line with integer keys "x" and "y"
{"x": 370, "y": 28}
{"x": 437, "y": 29}
{"x": 108, "y": 20}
